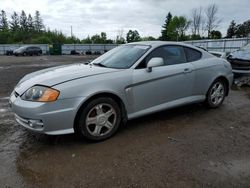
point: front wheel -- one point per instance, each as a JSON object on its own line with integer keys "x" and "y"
{"x": 99, "y": 120}
{"x": 216, "y": 94}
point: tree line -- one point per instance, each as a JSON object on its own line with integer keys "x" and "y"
{"x": 202, "y": 24}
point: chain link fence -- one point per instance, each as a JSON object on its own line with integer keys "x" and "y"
{"x": 222, "y": 45}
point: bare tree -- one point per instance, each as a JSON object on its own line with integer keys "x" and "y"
{"x": 120, "y": 37}
{"x": 212, "y": 20}
{"x": 196, "y": 21}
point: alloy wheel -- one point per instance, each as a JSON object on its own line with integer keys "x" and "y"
{"x": 101, "y": 119}
{"x": 217, "y": 93}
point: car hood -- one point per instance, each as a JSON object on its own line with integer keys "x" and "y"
{"x": 241, "y": 54}
{"x": 56, "y": 75}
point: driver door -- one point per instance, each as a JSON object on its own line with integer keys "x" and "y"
{"x": 164, "y": 84}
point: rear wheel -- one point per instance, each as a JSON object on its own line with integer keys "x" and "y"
{"x": 99, "y": 120}
{"x": 216, "y": 94}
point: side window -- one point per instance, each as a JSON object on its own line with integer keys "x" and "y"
{"x": 192, "y": 54}
{"x": 174, "y": 55}
{"x": 171, "y": 55}
{"x": 158, "y": 52}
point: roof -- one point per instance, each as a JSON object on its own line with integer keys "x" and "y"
{"x": 160, "y": 43}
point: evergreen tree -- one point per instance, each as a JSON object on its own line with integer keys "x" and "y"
{"x": 30, "y": 23}
{"x": 14, "y": 23}
{"x": 232, "y": 29}
{"x": 23, "y": 21}
{"x": 243, "y": 30}
{"x": 165, "y": 30}
{"x": 3, "y": 21}
{"x": 38, "y": 22}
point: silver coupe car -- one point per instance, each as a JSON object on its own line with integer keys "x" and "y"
{"x": 130, "y": 81}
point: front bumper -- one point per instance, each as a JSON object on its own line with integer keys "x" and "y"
{"x": 53, "y": 118}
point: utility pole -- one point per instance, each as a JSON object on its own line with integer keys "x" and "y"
{"x": 71, "y": 31}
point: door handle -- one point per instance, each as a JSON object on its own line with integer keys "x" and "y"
{"x": 187, "y": 70}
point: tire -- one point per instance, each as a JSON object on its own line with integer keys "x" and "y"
{"x": 216, "y": 94}
{"x": 99, "y": 120}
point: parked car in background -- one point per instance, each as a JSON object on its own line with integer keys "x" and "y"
{"x": 74, "y": 52}
{"x": 9, "y": 51}
{"x": 222, "y": 55}
{"x": 240, "y": 61}
{"x": 28, "y": 50}
{"x": 127, "y": 82}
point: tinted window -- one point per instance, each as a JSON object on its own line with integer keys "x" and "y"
{"x": 192, "y": 55}
{"x": 174, "y": 55}
{"x": 170, "y": 54}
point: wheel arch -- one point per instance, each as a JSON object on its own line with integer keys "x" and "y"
{"x": 225, "y": 80}
{"x": 99, "y": 95}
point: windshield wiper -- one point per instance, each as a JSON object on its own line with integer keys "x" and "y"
{"x": 99, "y": 64}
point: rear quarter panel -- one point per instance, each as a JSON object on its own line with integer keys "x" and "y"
{"x": 206, "y": 71}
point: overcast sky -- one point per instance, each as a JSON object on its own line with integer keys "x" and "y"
{"x": 89, "y": 17}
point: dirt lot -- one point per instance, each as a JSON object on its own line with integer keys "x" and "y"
{"x": 189, "y": 146}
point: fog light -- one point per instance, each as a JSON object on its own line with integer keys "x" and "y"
{"x": 35, "y": 124}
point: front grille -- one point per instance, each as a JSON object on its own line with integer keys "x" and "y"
{"x": 240, "y": 67}
{"x": 240, "y": 64}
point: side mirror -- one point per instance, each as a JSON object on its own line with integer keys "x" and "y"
{"x": 154, "y": 62}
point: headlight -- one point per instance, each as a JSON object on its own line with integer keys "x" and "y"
{"x": 40, "y": 94}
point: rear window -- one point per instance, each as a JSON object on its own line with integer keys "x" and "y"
{"x": 192, "y": 54}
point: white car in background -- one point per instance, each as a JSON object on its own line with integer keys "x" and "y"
{"x": 222, "y": 55}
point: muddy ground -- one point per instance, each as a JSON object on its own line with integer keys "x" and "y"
{"x": 189, "y": 146}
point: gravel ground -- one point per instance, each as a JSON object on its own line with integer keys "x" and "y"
{"x": 189, "y": 146}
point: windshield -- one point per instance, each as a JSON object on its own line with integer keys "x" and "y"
{"x": 247, "y": 47}
{"x": 121, "y": 57}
